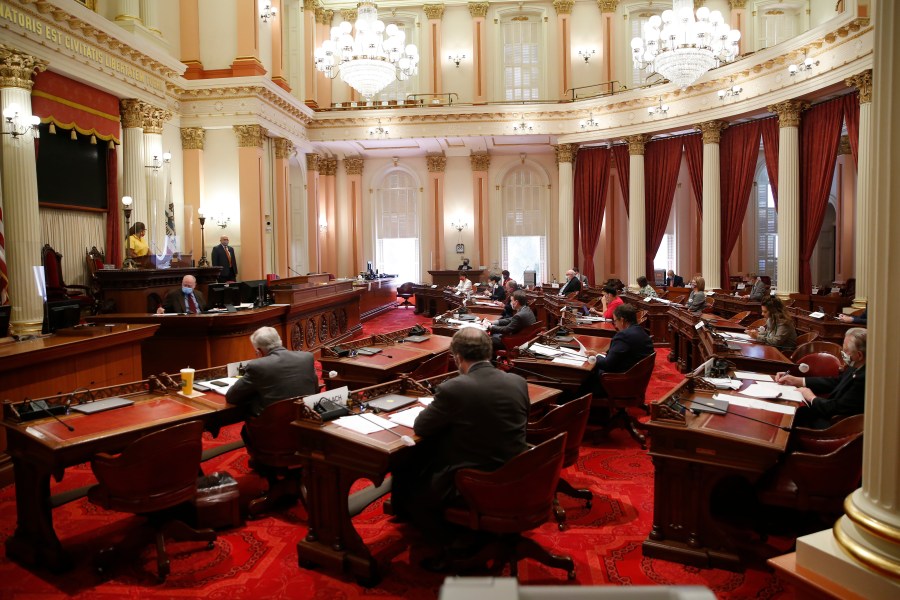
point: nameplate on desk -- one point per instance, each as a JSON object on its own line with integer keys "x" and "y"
{"x": 554, "y": 286}
{"x": 700, "y": 325}
{"x": 816, "y": 315}
{"x": 434, "y": 286}
{"x": 338, "y": 396}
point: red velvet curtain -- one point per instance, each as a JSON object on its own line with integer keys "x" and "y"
{"x": 851, "y": 120}
{"x": 738, "y": 153}
{"x": 662, "y": 160}
{"x": 113, "y": 234}
{"x": 693, "y": 150}
{"x": 769, "y": 129}
{"x": 623, "y": 168}
{"x": 820, "y": 135}
{"x": 591, "y": 184}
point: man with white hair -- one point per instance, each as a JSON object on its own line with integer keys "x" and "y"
{"x": 573, "y": 283}
{"x": 277, "y": 374}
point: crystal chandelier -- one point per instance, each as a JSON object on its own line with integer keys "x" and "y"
{"x": 367, "y": 62}
{"x": 682, "y": 48}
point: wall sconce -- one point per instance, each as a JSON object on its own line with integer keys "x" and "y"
{"x": 730, "y": 92}
{"x": 267, "y": 12}
{"x": 590, "y": 123}
{"x": 459, "y": 224}
{"x": 586, "y": 53}
{"x": 660, "y": 110}
{"x": 456, "y": 58}
{"x": 522, "y": 126}
{"x": 17, "y": 125}
{"x": 379, "y": 132}
{"x": 156, "y": 164}
{"x": 806, "y": 65}
{"x": 222, "y": 220}
{"x": 323, "y": 224}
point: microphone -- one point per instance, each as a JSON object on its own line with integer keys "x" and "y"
{"x": 292, "y": 270}
{"x": 332, "y": 374}
{"x": 803, "y": 368}
{"x": 41, "y": 405}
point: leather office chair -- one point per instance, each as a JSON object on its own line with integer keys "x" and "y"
{"x": 57, "y": 289}
{"x": 625, "y": 390}
{"x": 516, "y": 498}
{"x": 405, "y": 292}
{"x": 271, "y": 449}
{"x": 740, "y": 317}
{"x": 816, "y": 347}
{"x": 570, "y": 418}
{"x": 436, "y": 365}
{"x": 807, "y": 338}
{"x": 153, "y": 474}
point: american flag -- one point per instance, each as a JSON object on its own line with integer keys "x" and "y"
{"x": 4, "y": 274}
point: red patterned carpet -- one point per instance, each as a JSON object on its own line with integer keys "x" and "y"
{"x": 259, "y": 559}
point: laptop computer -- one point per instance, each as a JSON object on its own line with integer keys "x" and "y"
{"x": 415, "y": 338}
{"x": 367, "y": 351}
{"x": 90, "y": 408}
{"x": 391, "y": 402}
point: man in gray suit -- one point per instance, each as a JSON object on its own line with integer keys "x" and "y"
{"x": 276, "y": 375}
{"x": 759, "y": 290}
{"x": 522, "y": 318}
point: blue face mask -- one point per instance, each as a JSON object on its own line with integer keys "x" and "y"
{"x": 187, "y": 290}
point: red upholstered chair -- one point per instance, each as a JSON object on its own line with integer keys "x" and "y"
{"x": 821, "y": 364}
{"x": 272, "y": 450}
{"x": 510, "y": 501}
{"x": 511, "y": 342}
{"x": 405, "y": 292}
{"x": 56, "y": 286}
{"x": 626, "y": 390}
{"x": 816, "y": 347}
{"x": 152, "y": 475}
{"x": 570, "y": 418}
{"x": 806, "y": 338}
{"x": 436, "y": 365}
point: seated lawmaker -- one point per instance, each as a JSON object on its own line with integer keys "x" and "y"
{"x": 673, "y": 280}
{"x": 845, "y": 394}
{"x": 522, "y": 318}
{"x": 610, "y": 299}
{"x": 759, "y": 290}
{"x": 185, "y": 300}
{"x": 277, "y": 374}
{"x": 573, "y": 284}
{"x": 646, "y": 290}
{"x": 509, "y": 288}
{"x": 498, "y": 293}
{"x": 630, "y": 344}
{"x": 779, "y": 329}
{"x": 477, "y": 420}
{"x": 696, "y": 301}
{"x": 861, "y": 319}
{"x": 465, "y": 266}
{"x": 464, "y": 285}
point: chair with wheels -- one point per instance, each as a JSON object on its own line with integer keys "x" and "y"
{"x": 271, "y": 449}
{"x": 511, "y": 343}
{"x": 626, "y": 390}
{"x": 405, "y": 292}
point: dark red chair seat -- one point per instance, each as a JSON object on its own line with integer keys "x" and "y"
{"x": 623, "y": 391}
{"x": 271, "y": 446}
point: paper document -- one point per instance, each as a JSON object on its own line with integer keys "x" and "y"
{"x": 426, "y": 400}
{"x": 723, "y": 383}
{"x": 752, "y": 375}
{"x": 407, "y": 418}
{"x": 736, "y": 336}
{"x": 543, "y": 350}
{"x": 364, "y": 424}
{"x": 568, "y": 360}
{"x": 759, "y": 404}
{"x": 773, "y": 391}
{"x": 816, "y": 315}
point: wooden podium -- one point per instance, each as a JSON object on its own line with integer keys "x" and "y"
{"x": 143, "y": 290}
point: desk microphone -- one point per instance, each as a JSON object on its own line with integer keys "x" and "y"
{"x": 536, "y": 374}
{"x": 291, "y": 269}
{"x": 332, "y": 374}
{"x": 41, "y": 405}
{"x": 696, "y": 412}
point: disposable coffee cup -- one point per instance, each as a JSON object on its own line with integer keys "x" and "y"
{"x": 187, "y": 381}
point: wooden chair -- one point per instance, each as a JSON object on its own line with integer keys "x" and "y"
{"x": 641, "y": 317}
{"x": 436, "y": 365}
{"x": 757, "y": 323}
{"x": 272, "y": 450}
{"x": 57, "y": 289}
{"x": 512, "y": 342}
{"x": 740, "y": 317}
{"x": 626, "y": 390}
{"x": 405, "y": 292}
{"x": 816, "y": 347}
{"x": 570, "y": 418}
{"x": 516, "y": 498}
{"x": 806, "y": 338}
{"x": 153, "y": 474}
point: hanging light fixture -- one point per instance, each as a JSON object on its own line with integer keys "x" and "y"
{"x": 367, "y": 62}
{"x": 659, "y": 110}
{"x": 591, "y": 123}
{"x": 682, "y": 48}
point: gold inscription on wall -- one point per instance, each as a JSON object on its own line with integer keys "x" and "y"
{"x": 53, "y": 36}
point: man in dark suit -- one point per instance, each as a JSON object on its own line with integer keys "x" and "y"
{"x": 477, "y": 420}
{"x": 759, "y": 290}
{"x": 573, "y": 283}
{"x": 673, "y": 280}
{"x": 277, "y": 374}
{"x": 630, "y": 344}
{"x": 223, "y": 256}
{"x": 846, "y": 394}
{"x": 522, "y": 318}
{"x": 188, "y": 299}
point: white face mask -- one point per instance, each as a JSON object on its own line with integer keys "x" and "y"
{"x": 847, "y": 360}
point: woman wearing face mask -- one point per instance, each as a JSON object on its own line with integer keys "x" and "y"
{"x": 137, "y": 247}
{"x": 779, "y": 328}
{"x": 846, "y": 394}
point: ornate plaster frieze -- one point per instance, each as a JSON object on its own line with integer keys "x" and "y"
{"x": 192, "y": 138}
{"x": 18, "y": 68}
{"x": 261, "y": 93}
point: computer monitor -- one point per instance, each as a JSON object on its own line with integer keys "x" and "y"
{"x": 5, "y": 312}
{"x": 252, "y": 289}
{"x": 220, "y": 294}
{"x": 60, "y": 314}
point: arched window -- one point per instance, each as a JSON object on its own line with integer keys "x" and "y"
{"x": 766, "y": 223}
{"x": 397, "y": 226}
{"x": 522, "y": 47}
{"x": 524, "y": 228}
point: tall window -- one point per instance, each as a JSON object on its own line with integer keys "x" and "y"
{"x": 766, "y": 225}
{"x": 521, "y": 57}
{"x": 637, "y": 21}
{"x": 399, "y": 89}
{"x": 524, "y": 229}
{"x": 397, "y": 226}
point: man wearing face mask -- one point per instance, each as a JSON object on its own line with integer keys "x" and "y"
{"x": 846, "y": 394}
{"x": 185, "y": 300}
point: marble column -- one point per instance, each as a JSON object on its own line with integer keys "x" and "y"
{"x": 328, "y": 214}
{"x": 277, "y": 24}
{"x": 435, "y": 15}
{"x": 788, "y": 195}
{"x": 739, "y": 22}
{"x": 133, "y": 170}
{"x": 150, "y": 16}
{"x": 354, "y": 168}
{"x": 247, "y": 21}
{"x": 251, "y": 260}
{"x": 323, "y": 85}
{"x": 129, "y": 10}
{"x": 637, "y": 210}
{"x": 310, "y": 79}
{"x": 565, "y": 159}
{"x": 312, "y": 208}
{"x": 864, "y": 185}
{"x": 712, "y": 258}
{"x": 21, "y": 220}
{"x": 862, "y": 552}
{"x": 156, "y": 179}
{"x": 281, "y": 220}
{"x": 564, "y": 34}
{"x": 481, "y": 162}
{"x": 845, "y": 225}
{"x": 608, "y": 52}
{"x": 478, "y": 12}
{"x": 189, "y": 35}
{"x": 435, "y": 194}
{"x": 192, "y": 140}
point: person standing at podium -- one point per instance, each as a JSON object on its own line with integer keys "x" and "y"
{"x": 187, "y": 299}
{"x": 223, "y": 256}
{"x": 137, "y": 246}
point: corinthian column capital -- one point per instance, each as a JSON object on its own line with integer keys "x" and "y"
{"x": 711, "y": 131}
{"x": 192, "y": 138}
{"x": 863, "y": 82}
{"x": 789, "y": 112}
{"x": 436, "y": 163}
{"x": 480, "y": 161}
{"x": 284, "y": 149}
{"x": 434, "y": 11}
{"x": 565, "y": 153}
{"x": 563, "y": 7}
{"x": 636, "y": 143}
{"x": 17, "y": 68}
{"x": 132, "y": 113}
{"x": 328, "y": 166}
{"x": 354, "y": 165}
{"x": 250, "y": 136}
{"x": 312, "y": 162}
{"x": 478, "y": 9}
{"x": 607, "y": 6}
{"x": 152, "y": 118}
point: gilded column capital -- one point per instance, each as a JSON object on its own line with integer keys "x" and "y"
{"x": 699, "y": 3}
{"x": 152, "y": 118}
{"x": 844, "y": 146}
{"x": 192, "y": 138}
{"x": 328, "y": 166}
{"x": 354, "y": 165}
{"x": 563, "y": 7}
{"x": 480, "y": 161}
{"x": 565, "y": 153}
{"x": 434, "y": 11}
{"x": 789, "y": 112}
{"x": 132, "y": 113}
{"x": 436, "y": 163}
{"x": 737, "y": 4}
{"x": 636, "y": 143}
{"x": 250, "y": 136}
{"x": 312, "y": 162}
{"x": 328, "y": 17}
{"x": 349, "y": 14}
{"x": 310, "y": 4}
{"x": 711, "y": 131}
{"x": 17, "y": 68}
{"x": 607, "y": 6}
{"x": 863, "y": 82}
{"x": 478, "y": 9}
{"x": 320, "y": 15}
{"x": 284, "y": 149}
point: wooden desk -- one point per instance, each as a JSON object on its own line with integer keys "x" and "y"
{"x": 364, "y": 371}
{"x": 657, "y": 317}
{"x": 828, "y": 328}
{"x": 685, "y": 339}
{"x": 691, "y": 456}
{"x": 44, "y": 448}
{"x": 568, "y": 378}
{"x": 451, "y": 277}
{"x": 728, "y": 306}
{"x": 441, "y": 326}
{"x": 434, "y": 300}
{"x": 143, "y": 290}
{"x": 830, "y": 304}
{"x": 379, "y": 296}
{"x": 749, "y": 356}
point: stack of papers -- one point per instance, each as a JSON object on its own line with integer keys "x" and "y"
{"x": 773, "y": 391}
{"x": 542, "y": 350}
{"x": 570, "y": 360}
{"x": 407, "y": 418}
{"x": 724, "y": 383}
{"x": 364, "y": 424}
{"x": 753, "y": 376}
{"x": 591, "y": 320}
{"x": 733, "y": 335}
